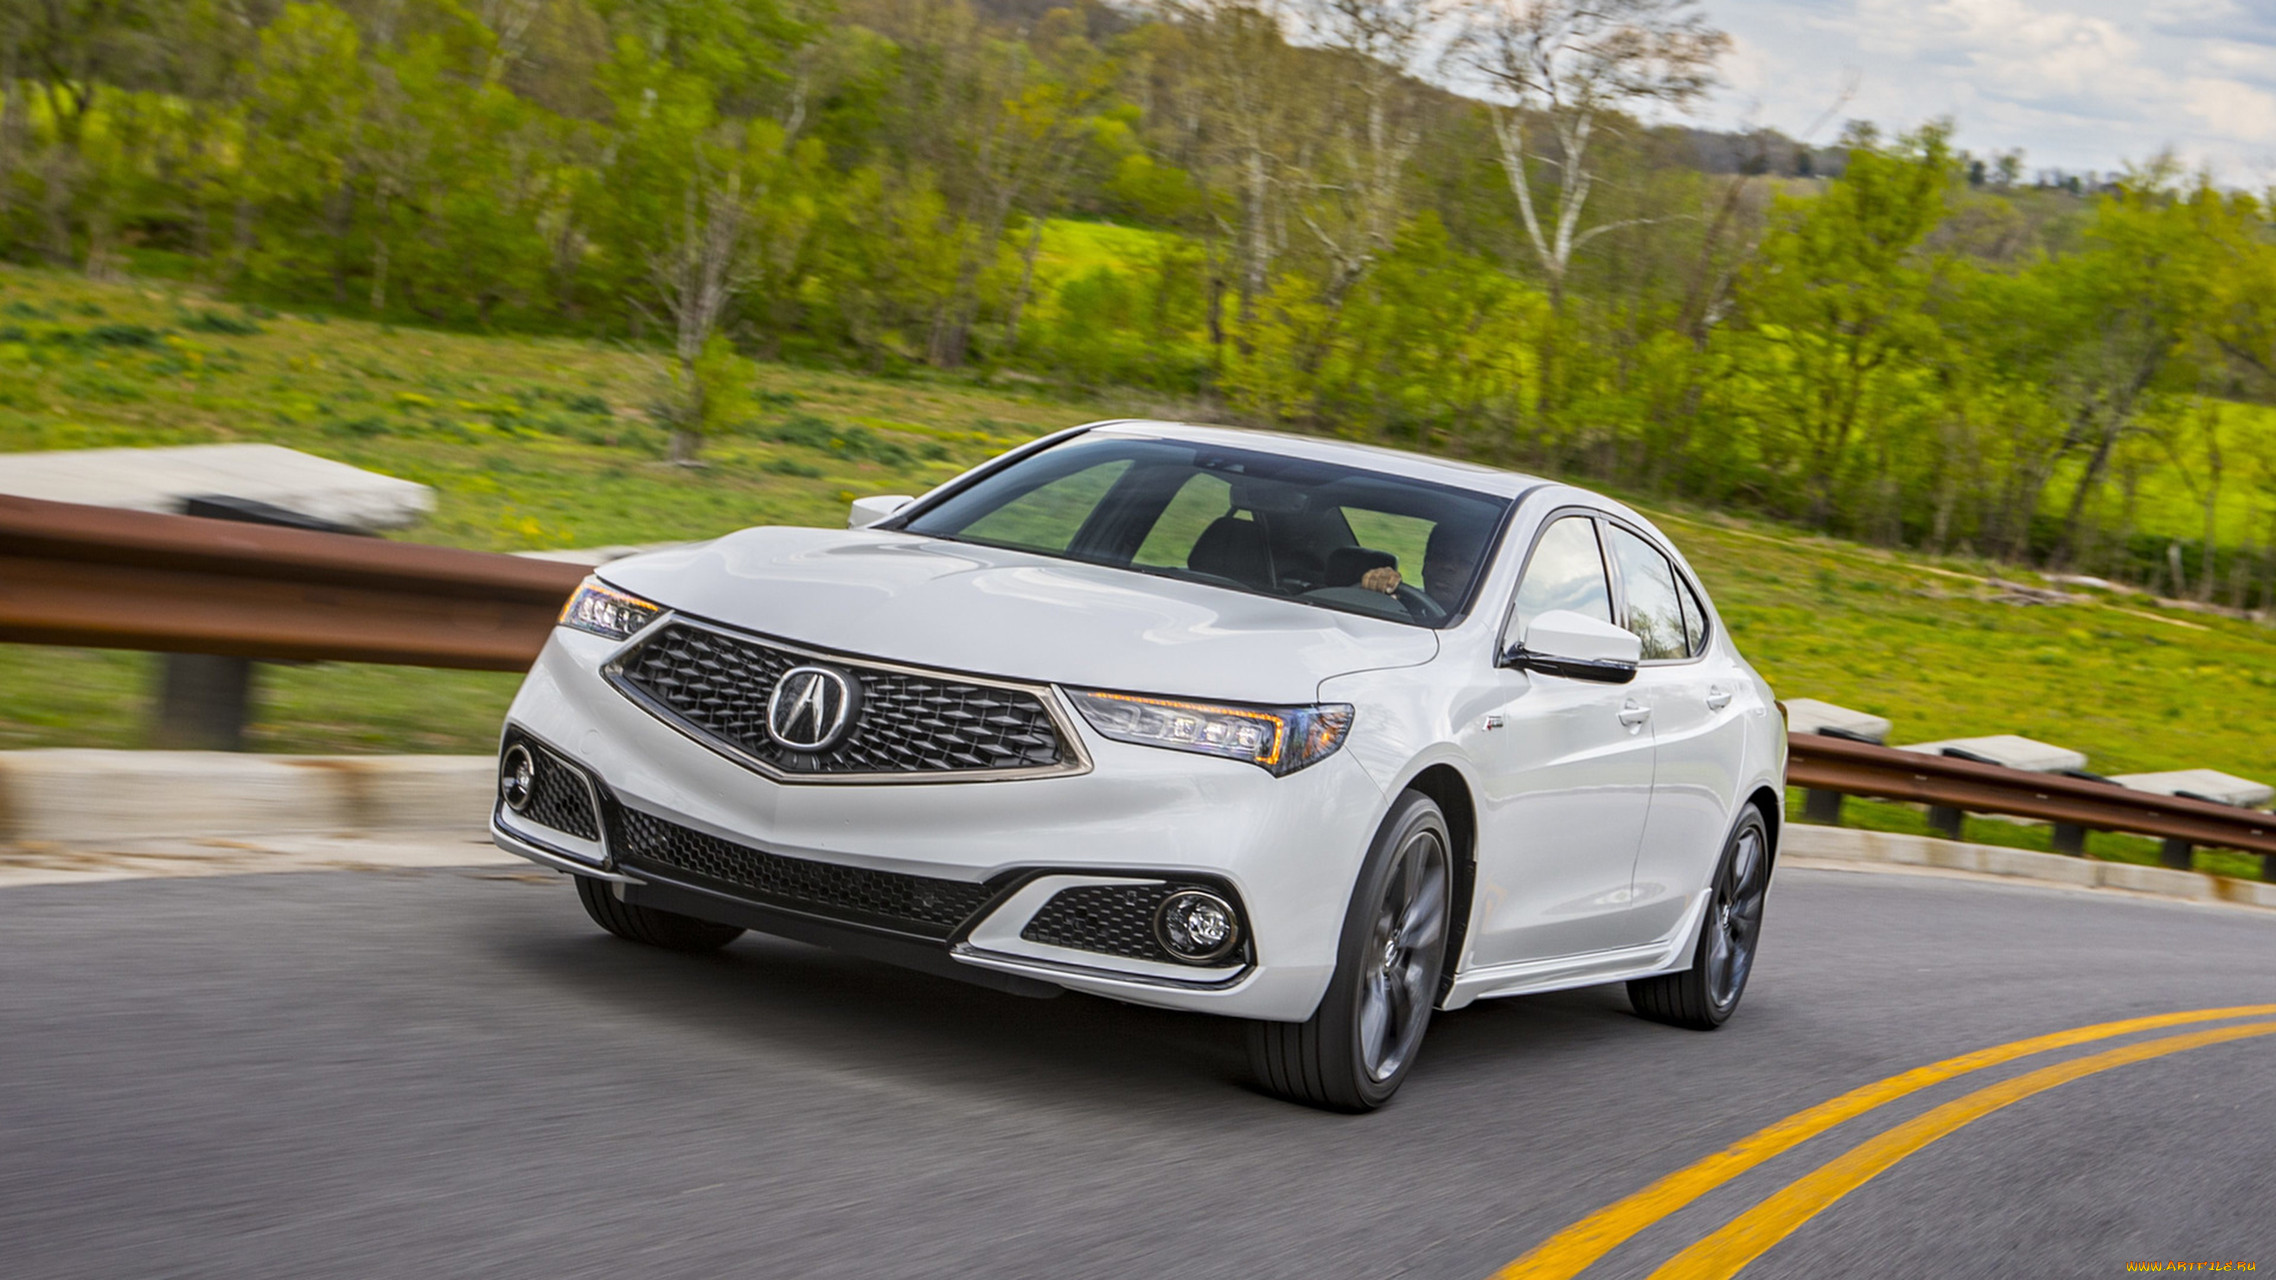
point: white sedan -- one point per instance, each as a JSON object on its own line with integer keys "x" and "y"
{"x": 1317, "y": 735}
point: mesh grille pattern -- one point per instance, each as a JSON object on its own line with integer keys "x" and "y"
{"x": 1111, "y": 919}
{"x": 907, "y": 723}
{"x": 918, "y": 904}
{"x": 557, "y": 796}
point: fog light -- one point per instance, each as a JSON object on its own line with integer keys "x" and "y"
{"x": 517, "y": 777}
{"x": 1196, "y": 927}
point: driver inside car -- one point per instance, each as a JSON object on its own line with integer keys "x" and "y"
{"x": 1447, "y": 568}
{"x": 1449, "y": 562}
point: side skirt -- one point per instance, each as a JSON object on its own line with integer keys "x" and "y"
{"x": 1668, "y": 954}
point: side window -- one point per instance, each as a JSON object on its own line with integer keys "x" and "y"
{"x": 1196, "y": 505}
{"x": 1694, "y": 618}
{"x": 1655, "y": 608}
{"x": 1047, "y": 517}
{"x": 1566, "y": 572}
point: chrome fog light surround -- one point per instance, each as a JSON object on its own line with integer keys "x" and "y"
{"x": 1197, "y": 926}
{"x": 517, "y": 777}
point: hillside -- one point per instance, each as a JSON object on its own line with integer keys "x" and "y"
{"x": 537, "y": 443}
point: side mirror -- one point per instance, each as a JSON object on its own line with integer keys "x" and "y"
{"x": 868, "y": 511}
{"x": 1577, "y": 647}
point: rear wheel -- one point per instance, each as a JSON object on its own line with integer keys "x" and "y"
{"x": 1707, "y": 993}
{"x": 667, "y": 929}
{"x": 1356, "y": 1049}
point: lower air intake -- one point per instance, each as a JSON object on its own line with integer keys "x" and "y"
{"x": 911, "y": 904}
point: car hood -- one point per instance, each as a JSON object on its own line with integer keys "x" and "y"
{"x": 990, "y": 611}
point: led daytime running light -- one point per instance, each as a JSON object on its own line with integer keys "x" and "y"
{"x": 605, "y": 611}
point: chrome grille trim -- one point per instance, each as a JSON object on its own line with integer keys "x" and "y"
{"x": 1074, "y": 757}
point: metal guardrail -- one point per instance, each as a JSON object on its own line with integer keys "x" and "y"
{"x": 92, "y": 576}
{"x": 104, "y": 578}
{"x": 1865, "y": 769}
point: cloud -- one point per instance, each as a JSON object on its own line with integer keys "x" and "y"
{"x": 2079, "y": 84}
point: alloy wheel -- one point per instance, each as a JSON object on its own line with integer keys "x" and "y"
{"x": 1735, "y": 922}
{"x": 1397, "y": 985}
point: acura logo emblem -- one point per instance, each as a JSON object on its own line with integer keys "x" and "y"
{"x": 811, "y": 707}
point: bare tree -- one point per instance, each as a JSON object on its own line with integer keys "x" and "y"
{"x": 1248, "y": 101}
{"x": 1567, "y": 67}
{"x": 2192, "y": 444}
{"x": 510, "y": 22}
{"x": 1028, "y": 128}
{"x": 1383, "y": 43}
{"x": 697, "y": 273}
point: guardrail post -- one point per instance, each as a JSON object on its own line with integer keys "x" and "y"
{"x": 202, "y": 701}
{"x": 1945, "y": 820}
{"x": 2070, "y": 838}
{"x": 2176, "y": 854}
{"x": 1822, "y": 807}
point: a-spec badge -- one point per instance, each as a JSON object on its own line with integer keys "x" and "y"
{"x": 812, "y": 707}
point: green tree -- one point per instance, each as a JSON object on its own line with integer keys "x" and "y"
{"x": 1835, "y": 303}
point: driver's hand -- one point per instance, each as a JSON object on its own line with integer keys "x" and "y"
{"x": 1385, "y": 580}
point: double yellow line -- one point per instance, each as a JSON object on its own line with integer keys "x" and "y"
{"x": 1745, "y": 1237}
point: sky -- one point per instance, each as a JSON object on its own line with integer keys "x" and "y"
{"x": 2079, "y": 85}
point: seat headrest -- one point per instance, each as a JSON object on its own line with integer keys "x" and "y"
{"x": 1347, "y": 565}
{"x": 1233, "y": 548}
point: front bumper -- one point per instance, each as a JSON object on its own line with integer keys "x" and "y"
{"x": 1287, "y": 849}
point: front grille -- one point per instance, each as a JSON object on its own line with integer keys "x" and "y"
{"x": 718, "y": 685}
{"x": 1111, "y": 919}
{"x": 558, "y": 795}
{"x": 915, "y": 904}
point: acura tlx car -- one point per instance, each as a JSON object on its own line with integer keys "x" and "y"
{"x": 1317, "y": 735}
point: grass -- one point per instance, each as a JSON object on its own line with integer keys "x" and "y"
{"x": 528, "y": 442}
{"x": 542, "y": 442}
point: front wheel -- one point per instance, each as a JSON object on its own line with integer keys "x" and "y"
{"x": 1703, "y": 996}
{"x": 1359, "y": 1044}
{"x": 667, "y": 929}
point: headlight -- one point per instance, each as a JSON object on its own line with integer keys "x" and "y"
{"x": 1279, "y": 740}
{"x": 606, "y": 611}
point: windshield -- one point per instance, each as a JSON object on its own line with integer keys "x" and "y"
{"x": 1327, "y": 535}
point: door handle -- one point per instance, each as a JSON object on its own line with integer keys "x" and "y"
{"x": 1718, "y": 697}
{"x": 1634, "y": 715}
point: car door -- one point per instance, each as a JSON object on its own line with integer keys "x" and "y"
{"x": 1693, "y": 693}
{"x": 1565, "y": 778}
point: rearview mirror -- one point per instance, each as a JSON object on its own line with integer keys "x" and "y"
{"x": 1577, "y": 647}
{"x": 868, "y": 511}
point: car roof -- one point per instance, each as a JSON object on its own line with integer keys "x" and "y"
{"x": 1398, "y": 462}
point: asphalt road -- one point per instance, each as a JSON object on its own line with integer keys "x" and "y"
{"x": 451, "y": 1073}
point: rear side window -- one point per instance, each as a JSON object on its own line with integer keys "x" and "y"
{"x": 1566, "y": 572}
{"x": 1654, "y": 603}
{"x": 1694, "y": 617}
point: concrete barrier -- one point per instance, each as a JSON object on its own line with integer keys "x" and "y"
{"x": 1849, "y": 845}
{"x": 77, "y": 798}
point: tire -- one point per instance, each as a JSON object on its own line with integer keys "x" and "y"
{"x": 1357, "y": 1047}
{"x": 1704, "y": 996}
{"x": 667, "y": 929}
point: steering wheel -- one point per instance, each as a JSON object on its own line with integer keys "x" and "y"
{"x": 1422, "y": 607}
